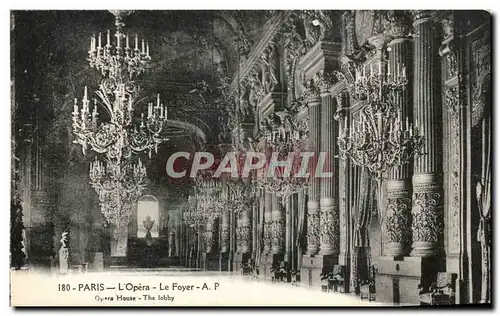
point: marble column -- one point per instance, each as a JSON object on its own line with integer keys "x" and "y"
{"x": 329, "y": 213}
{"x": 397, "y": 216}
{"x": 427, "y": 208}
{"x": 277, "y": 227}
{"x": 246, "y": 232}
{"x": 224, "y": 236}
{"x": 313, "y": 223}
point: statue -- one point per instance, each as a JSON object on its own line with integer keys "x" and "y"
{"x": 64, "y": 239}
{"x": 64, "y": 254}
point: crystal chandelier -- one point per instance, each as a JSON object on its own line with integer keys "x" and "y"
{"x": 117, "y": 95}
{"x": 193, "y": 217}
{"x": 380, "y": 139}
{"x": 208, "y": 202}
{"x": 284, "y": 134}
{"x": 117, "y": 181}
{"x": 119, "y": 60}
{"x": 118, "y": 187}
{"x": 238, "y": 195}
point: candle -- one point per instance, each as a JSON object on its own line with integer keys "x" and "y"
{"x": 118, "y": 39}
{"x": 136, "y": 42}
{"x": 109, "y": 39}
{"x": 143, "y": 50}
{"x": 85, "y": 94}
{"x": 75, "y": 107}
{"x": 407, "y": 123}
{"x": 165, "y": 112}
{"x": 380, "y": 67}
{"x": 147, "y": 49}
{"x": 388, "y": 69}
{"x": 158, "y": 99}
{"x": 91, "y": 44}
{"x": 100, "y": 40}
{"x": 404, "y": 71}
{"x": 127, "y": 42}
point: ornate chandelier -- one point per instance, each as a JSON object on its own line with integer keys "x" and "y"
{"x": 380, "y": 139}
{"x": 121, "y": 60}
{"x": 117, "y": 181}
{"x": 238, "y": 195}
{"x": 118, "y": 187}
{"x": 284, "y": 134}
{"x": 207, "y": 197}
{"x": 193, "y": 217}
{"x": 117, "y": 95}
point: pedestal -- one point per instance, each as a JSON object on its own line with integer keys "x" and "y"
{"x": 211, "y": 261}
{"x": 312, "y": 268}
{"x": 98, "y": 263}
{"x": 63, "y": 260}
{"x": 397, "y": 279}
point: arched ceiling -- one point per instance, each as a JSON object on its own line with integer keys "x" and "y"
{"x": 190, "y": 50}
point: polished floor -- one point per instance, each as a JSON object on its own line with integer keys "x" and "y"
{"x": 175, "y": 287}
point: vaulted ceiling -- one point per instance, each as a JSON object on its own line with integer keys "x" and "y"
{"x": 190, "y": 50}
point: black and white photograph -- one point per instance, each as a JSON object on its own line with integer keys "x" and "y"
{"x": 251, "y": 158}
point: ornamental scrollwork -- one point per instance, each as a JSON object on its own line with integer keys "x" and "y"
{"x": 313, "y": 229}
{"x": 452, "y": 99}
{"x": 427, "y": 217}
{"x": 316, "y": 25}
{"x": 329, "y": 226}
{"x": 277, "y": 234}
{"x": 397, "y": 220}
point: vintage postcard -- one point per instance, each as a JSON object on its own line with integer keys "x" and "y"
{"x": 250, "y": 158}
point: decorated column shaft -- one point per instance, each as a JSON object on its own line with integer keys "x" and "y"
{"x": 397, "y": 216}
{"x": 427, "y": 208}
{"x": 238, "y": 233}
{"x": 246, "y": 231}
{"x": 329, "y": 213}
{"x": 208, "y": 236}
{"x": 277, "y": 227}
{"x": 224, "y": 235}
{"x": 314, "y": 105}
{"x": 267, "y": 223}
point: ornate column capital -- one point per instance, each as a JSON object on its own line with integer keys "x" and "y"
{"x": 320, "y": 84}
{"x": 420, "y": 16}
